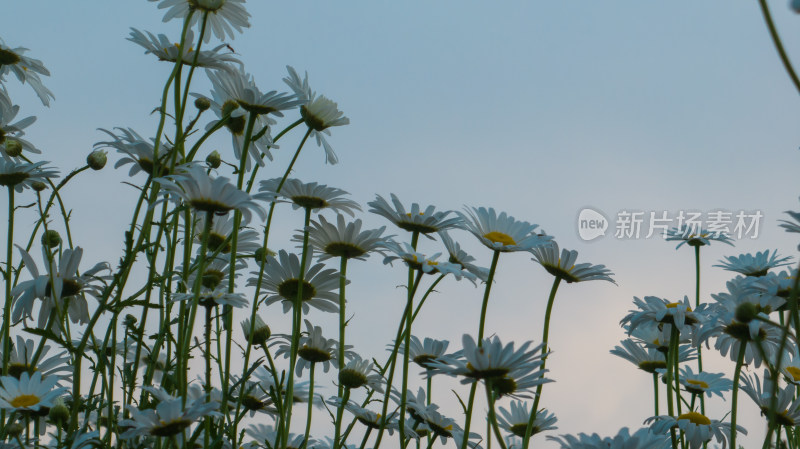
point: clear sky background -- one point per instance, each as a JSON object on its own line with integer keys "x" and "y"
{"x": 538, "y": 109}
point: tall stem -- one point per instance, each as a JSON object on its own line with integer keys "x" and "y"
{"x": 545, "y": 336}
{"x": 8, "y": 301}
{"x": 735, "y": 394}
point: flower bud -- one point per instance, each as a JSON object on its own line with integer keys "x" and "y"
{"x": 130, "y": 320}
{"x": 51, "y": 238}
{"x": 746, "y": 312}
{"x": 59, "y": 413}
{"x": 38, "y": 186}
{"x": 214, "y": 159}
{"x": 97, "y": 159}
{"x": 262, "y": 253}
{"x": 202, "y": 103}
{"x": 14, "y": 430}
{"x": 13, "y": 148}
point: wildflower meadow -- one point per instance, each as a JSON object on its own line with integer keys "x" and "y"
{"x": 236, "y": 259}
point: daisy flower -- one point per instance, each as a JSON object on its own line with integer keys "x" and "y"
{"x": 169, "y": 417}
{"x": 235, "y": 94}
{"x": 696, "y": 427}
{"x": 516, "y": 419}
{"x": 653, "y": 309}
{"x": 460, "y": 257}
{"x": 261, "y": 332}
{"x": 314, "y": 348}
{"x": 494, "y": 361}
{"x": 21, "y": 361}
{"x": 60, "y": 283}
{"x": 224, "y": 16}
{"x": 21, "y": 175}
{"x": 29, "y": 392}
{"x": 787, "y": 407}
{"x": 310, "y": 195}
{"x": 139, "y": 152}
{"x": 428, "y": 265}
{"x": 318, "y": 112}
{"x": 281, "y": 281}
{"x": 343, "y": 240}
{"x": 300, "y": 392}
{"x": 648, "y": 360}
{"x": 219, "y": 238}
{"x": 12, "y": 131}
{"x": 218, "y": 296}
{"x": 755, "y": 266}
{"x": 424, "y": 222}
{"x": 564, "y": 267}
{"x": 166, "y": 50}
{"x": 731, "y": 333}
{"x": 704, "y": 382}
{"x": 368, "y": 417}
{"x": 193, "y": 186}
{"x": 641, "y": 439}
{"x": 266, "y": 436}
{"x": 501, "y": 232}
{"x": 693, "y": 236}
{"x": 424, "y": 353}
{"x": 444, "y": 428}
{"x": 791, "y": 226}
{"x": 774, "y": 289}
{"x": 791, "y": 367}
{"x": 13, "y": 60}
{"x": 359, "y": 373}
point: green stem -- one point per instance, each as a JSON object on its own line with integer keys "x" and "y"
{"x": 545, "y": 337}
{"x": 492, "y": 415}
{"x": 9, "y": 300}
{"x": 407, "y": 341}
{"x": 773, "y": 32}
{"x": 673, "y": 347}
{"x": 341, "y": 362}
{"x": 310, "y": 404}
{"x": 735, "y": 394}
{"x": 485, "y": 302}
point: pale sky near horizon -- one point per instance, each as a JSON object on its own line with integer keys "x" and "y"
{"x": 539, "y": 109}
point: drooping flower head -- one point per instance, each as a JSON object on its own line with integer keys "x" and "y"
{"x": 27, "y": 70}
{"x": 11, "y": 133}
{"x": 22, "y": 175}
{"x": 318, "y": 112}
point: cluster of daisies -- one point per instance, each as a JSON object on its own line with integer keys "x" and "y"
{"x": 146, "y": 352}
{"x": 171, "y": 346}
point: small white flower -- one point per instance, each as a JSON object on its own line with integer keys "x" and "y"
{"x": 641, "y": 439}
{"x": 170, "y": 416}
{"x": 696, "y": 427}
{"x": 754, "y": 266}
{"x": 516, "y": 419}
{"x": 166, "y": 50}
{"x": 8, "y": 112}
{"x": 310, "y": 195}
{"x": 694, "y": 236}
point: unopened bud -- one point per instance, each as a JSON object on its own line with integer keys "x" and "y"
{"x": 214, "y": 159}
{"x": 51, "y": 238}
{"x": 262, "y": 254}
{"x": 14, "y": 430}
{"x": 746, "y": 312}
{"x": 38, "y": 186}
{"x": 97, "y": 159}
{"x": 13, "y": 148}
{"x": 202, "y": 103}
{"x": 59, "y": 413}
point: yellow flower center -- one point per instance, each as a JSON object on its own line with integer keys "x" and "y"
{"x": 794, "y": 371}
{"x": 695, "y": 418}
{"x": 25, "y": 400}
{"x": 674, "y": 305}
{"x": 432, "y": 262}
{"x": 499, "y": 237}
{"x": 698, "y": 383}
{"x": 408, "y": 214}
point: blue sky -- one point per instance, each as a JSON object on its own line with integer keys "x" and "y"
{"x": 538, "y": 109}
